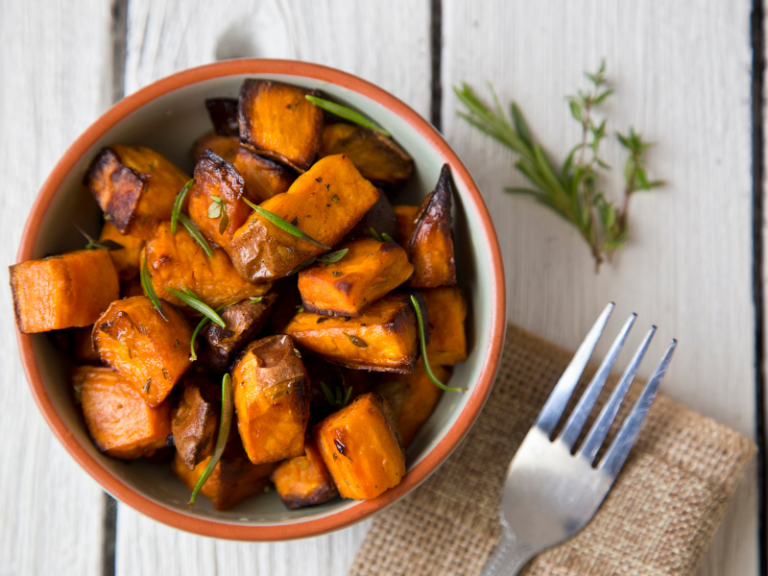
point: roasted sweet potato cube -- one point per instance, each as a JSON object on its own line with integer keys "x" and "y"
{"x": 384, "y": 337}
{"x": 178, "y": 261}
{"x": 381, "y": 218}
{"x": 406, "y": 222}
{"x": 431, "y": 246}
{"x": 223, "y": 114}
{"x": 447, "y": 310}
{"x": 370, "y": 270}
{"x": 64, "y": 291}
{"x": 263, "y": 177}
{"x": 224, "y": 146}
{"x": 215, "y": 199}
{"x": 272, "y": 399}
{"x": 133, "y": 339}
{"x": 377, "y": 157}
{"x": 304, "y": 480}
{"x": 420, "y": 400}
{"x": 135, "y": 187}
{"x": 245, "y": 320}
{"x": 280, "y": 122}
{"x": 194, "y": 423}
{"x": 325, "y": 202}
{"x": 126, "y": 261}
{"x": 121, "y": 424}
{"x": 360, "y": 448}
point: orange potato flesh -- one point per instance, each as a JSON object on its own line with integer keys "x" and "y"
{"x": 325, "y": 202}
{"x": 178, "y": 261}
{"x": 280, "y": 122}
{"x": 65, "y": 291}
{"x": 271, "y": 389}
{"x": 224, "y": 146}
{"x": 133, "y": 339}
{"x": 121, "y": 424}
{"x": 370, "y": 270}
{"x": 447, "y": 310}
{"x": 406, "y": 222}
{"x": 360, "y": 448}
{"x": 263, "y": 178}
{"x": 420, "y": 400}
{"x": 126, "y": 261}
{"x": 304, "y": 480}
{"x": 384, "y": 337}
{"x": 216, "y": 177}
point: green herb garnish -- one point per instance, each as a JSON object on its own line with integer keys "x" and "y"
{"x": 357, "y": 341}
{"x": 218, "y": 209}
{"x": 346, "y": 113}
{"x": 299, "y": 309}
{"x": 338, "y": 400}
{"x": 149, "y": 289}
{"x": 333, "y": 257}
{"x": 108, "y": 245}
{"x": 376, "y": 235}
{"x": 386, "y": 237}
{"x": 200, "y": 325}
{"x": 284, "y": 225}
{"x": 179, "y": 201}
{"x": 193, "y": 301}
{"x": 256, "y": 299}
{"x": 424, "y": 359}
{"x": 195, "y": 233}
{"x": 225, "y": 424}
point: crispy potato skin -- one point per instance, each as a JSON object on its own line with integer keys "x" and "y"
{"x": 325, "y": 202}
{"x": 420, "y": 400}
{"x": 244, "y": 321}
{"x": 271, "y": 389}
{"x": 386, "y": 334}
{"x": 280, "y": 122}
{"x": 360, "y": 448}
{"x": 224, "y": 146}
{"x": 431, "y": 246}
{"x": 135, "y": 186}
{"x": 194, "y": 423}
{"x": 133, "y": 339}
{"x": 381, "y": 217}
{"x": 406, "y": 222}
{"x": 377, "y": 157}
{"x": 126, "y": 261}
{"x": 263, "y": 177}
{"x": 216, "y": 177}
{"x": 447, "y": 309}
{"x": 65, "y": 291}
{"x": 223, "y": 114}
{"x": 370, "y": 270}
{"x": 304, "y": 480}
{"x": 177, "y": 260}
{"x": 121, "y": 424}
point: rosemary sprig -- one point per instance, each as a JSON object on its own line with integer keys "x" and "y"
{"x": 338, "y": 400}
{"x": 225, "y": 424}
{"x": 177, "y": 204}
{"x": 346, "y": 113}
{"x": 193, "y": 301}
{"x": 424, "y": 359}
{"x": 376, "y": 235}
{"x": 333, "y": 257}
{"x": 204, "y": 321}
{"x": 571, "y": 190}
{"x": 284, "y": 224}
{"x": 108, "y": 245}
{"x": 149, "y": 289}
{"x": 195, "y": 233}
{"x": 386, "y": 237}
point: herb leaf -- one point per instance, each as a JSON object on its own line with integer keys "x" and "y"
{"x": 340, "y": 399}
{"x": 376, "y": 235}
{"x": 333, "y": 257}
{"x": 149, "y": 289}
{"x": 424, "y": 359}
{"x": 108, "y": 245}
{"x": 193, "y": 301}
{"x": 284, "y": 224}
{"x": 177, "y": 204}
{"x": 256, "y": 299}
{"x": 200, "y": 325}
{"x": 386, "y": 237}
{"x": 346, "y": 113}
{"x": 359, "y": 342}
{"x": 199, "y": 238}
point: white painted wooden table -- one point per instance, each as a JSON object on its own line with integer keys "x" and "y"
{"x": 682, "y": 72}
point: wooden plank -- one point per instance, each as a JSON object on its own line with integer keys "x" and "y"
{"x": 682, "y": 75}
{"x": 55, "y": 72}
{"x": 386, "y": 43}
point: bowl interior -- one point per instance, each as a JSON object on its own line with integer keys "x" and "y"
{"x": 170, "y": 124}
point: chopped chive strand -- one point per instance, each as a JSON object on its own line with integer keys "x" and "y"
{"x": 190, "y": 299}
{"x": 346, "y": 113}
{"x": 424, "y": 359}
{"x": 284, "y": 225}
{"x": 221, "y": 442}
{"x": 177, "y": 204}
{"x": 149, "y": 289}
{"x": 199, "y": 238}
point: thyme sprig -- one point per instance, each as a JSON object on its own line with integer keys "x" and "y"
{"x": 284, "y": 225}
{"x": 346, "y": 113}
{"x": 218, "y": 209}
{"x": 423, "y": 343}
{"x": 149, "y": 289}
{"x": 339, "y": 399}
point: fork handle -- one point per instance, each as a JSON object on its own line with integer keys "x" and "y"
{"x": 509, "y": 556}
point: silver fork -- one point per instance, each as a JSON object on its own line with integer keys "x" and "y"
{"x": 550, "y": 494}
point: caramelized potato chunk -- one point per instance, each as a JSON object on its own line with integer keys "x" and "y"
{"x": 224, "y": 146}
{"x": 383, "y": 338}
{"x": 325, "y": 202}
{"x": 126, "y": 261}
{"x": 360, "y": 448}
{"x": 194, "y": 423}
{"x": 431, "y": 246}
{"x": 263, "y": 178}
{"x": 381, "y": 217}
{"x": 271, "y": 389}
{"x": 447, "y": 311}
{"x": 406, "y": 222}
{"x": 121, "y": 424}
{"x": 280, "y": 122}
{"x": 178, "y": 261}
{"x": 370, "y": 270}
{"x": 65, "y": 291}
{"x": 135, "y": 187}
{"x": 133, "y": 339}
{"x": 244, "y": 321}
{"x": 304, "y": 480}
{"x": 223, "y": 114}
{"x": 215, "y": 199}
{"x": 420, "y": 400}
{"x": 377, "y": 157}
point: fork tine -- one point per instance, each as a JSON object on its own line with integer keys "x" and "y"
{"x": 555, "y": 404}
{"x": 625, "y": 439}
{"x": 587, "y": 401}
{"x": 600, "y": 428}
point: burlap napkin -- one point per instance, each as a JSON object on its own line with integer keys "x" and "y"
{"x": 658, "y": 519}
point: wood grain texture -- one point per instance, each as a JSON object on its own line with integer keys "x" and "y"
{"x": 682, "y": 75}
{"x": 55, "y": 71}
{"x": 384, "y": 42}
